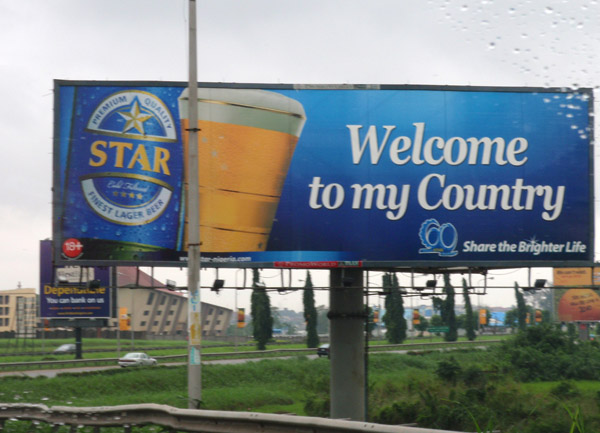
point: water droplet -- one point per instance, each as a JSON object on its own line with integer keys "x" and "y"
{"x": 491, "y": 45}
{"x": 517, "y": 51}
{"x": 549, "y": 10}
{"x": 84, "y": 227}
{"x": 464, "y": 8}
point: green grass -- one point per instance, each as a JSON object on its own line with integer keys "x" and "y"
{"x": 402, "y": 388}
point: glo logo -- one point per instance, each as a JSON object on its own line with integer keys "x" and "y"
{"x": 440, "y": 239}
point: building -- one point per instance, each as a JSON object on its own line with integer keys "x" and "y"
{"x": 160, "y": 311}
{"x": 18, "y": 311}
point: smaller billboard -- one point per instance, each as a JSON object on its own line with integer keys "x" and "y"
{"x": 573, "y": 302}
{"x": 74, "y": 296}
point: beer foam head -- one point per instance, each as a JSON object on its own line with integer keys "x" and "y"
{"x": 248, "y": 107}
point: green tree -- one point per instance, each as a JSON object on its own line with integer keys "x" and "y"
{"x": 322, "y": 320}
{"x": 521, "y": 309}
{"x": 260, "y": 309}
{"x": 512, "y": 318}
{"x": 310, "y": 313}
{"x": 469, "y": 316}
{"x": 436, "y": 321}
{"x": 448, "y": 313}
{"x": 394, "y": 320}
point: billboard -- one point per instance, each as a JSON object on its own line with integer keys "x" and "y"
{"x": 573, "y": 303}
{"x": 324, "y": 176}
{"x": 65, "y": 292}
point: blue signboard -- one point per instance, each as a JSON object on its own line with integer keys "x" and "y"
{"x": 293, "y": 176}
{"x": 68, "y": 299}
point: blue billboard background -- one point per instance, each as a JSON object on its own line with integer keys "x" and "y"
{"x": 465, "y": 175}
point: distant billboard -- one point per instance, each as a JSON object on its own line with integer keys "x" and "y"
{"x": 324, "y": 176}
{"x": 573, "y": 302}
{"x": 65, "y": 292}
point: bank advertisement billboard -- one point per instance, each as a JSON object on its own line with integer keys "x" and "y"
{"x": 324, "y": 176}
{"x": 66, "y": 293}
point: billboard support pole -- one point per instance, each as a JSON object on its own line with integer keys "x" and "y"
{"x": 194, "y": 316}
{"x": 347, "y": 351}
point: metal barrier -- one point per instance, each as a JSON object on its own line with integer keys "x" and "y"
{"x": 188, "y": 420}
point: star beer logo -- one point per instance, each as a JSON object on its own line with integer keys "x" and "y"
{"x": 133, "y": 133}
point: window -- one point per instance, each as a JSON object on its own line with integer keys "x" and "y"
{"x": 173, "y": 301}
{"x": 146, "y": 312}
{"x": 143, "y": 323}
{"x": 155, "y": 323}
{"x": 159, "y": 312}
{"x": 220, "y": 312}
{"x": 168, "y": 322}
{"x": 210, "y": 311}
{"x": 171, "y": 312}
{"x": 150, "y": 298}
{"x": 162, "y": 300}
{"x": 207, "y": 322}
{"x": 218, "y": 322}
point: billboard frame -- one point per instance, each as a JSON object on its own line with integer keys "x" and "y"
{"x": 426, "y": 265}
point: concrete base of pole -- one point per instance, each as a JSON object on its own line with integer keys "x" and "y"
{"x": 346, "y": 331}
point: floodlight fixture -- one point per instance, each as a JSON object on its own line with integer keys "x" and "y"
{"x": 217, "y": 285}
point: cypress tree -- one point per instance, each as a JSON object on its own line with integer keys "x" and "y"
{"x": 521, "y": 309}
{"x": 449, "y": 314}
{"x": 260, "y": 309}
{"x": 310, "y": 313}
{"x": 394, "y": 310}
{"x": 470, "y": 318}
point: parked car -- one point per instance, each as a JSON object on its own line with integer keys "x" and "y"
{"x": 136, "y": 359}
{"x": 323, "y": 350}
{"x": 64, "y": 348}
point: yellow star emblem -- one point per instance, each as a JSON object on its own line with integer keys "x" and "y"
{"x": 134, "y": 118}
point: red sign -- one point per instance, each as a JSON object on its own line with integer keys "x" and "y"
{"x": 72, "y": 248}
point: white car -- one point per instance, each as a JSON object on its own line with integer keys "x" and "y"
{"x": 136, "y": 359}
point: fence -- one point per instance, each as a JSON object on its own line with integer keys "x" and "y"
{"x": 186, "y": 420}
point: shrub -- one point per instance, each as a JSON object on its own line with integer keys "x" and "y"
{"x": 448, "y": 370}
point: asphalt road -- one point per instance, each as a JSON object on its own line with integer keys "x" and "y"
{"x": 54, "y": 372}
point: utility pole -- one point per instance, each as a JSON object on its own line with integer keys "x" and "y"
{"x": 194, "y": 316}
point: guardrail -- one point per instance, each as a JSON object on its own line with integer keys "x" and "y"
{"x": 372, "y": 349}
{"x": 186, "y": 420}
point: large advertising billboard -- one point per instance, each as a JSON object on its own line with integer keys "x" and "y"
{"x": 324, "y": 176}
{"x": 576, "y": 295}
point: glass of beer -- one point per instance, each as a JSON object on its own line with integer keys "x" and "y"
{"x": 246, "y": 141}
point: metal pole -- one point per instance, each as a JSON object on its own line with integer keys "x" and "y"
{"x": 194, "y": 316}
{"x": 131, "y": 327}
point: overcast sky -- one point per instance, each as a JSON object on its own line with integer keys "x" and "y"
{"x": 444, "y": 42}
